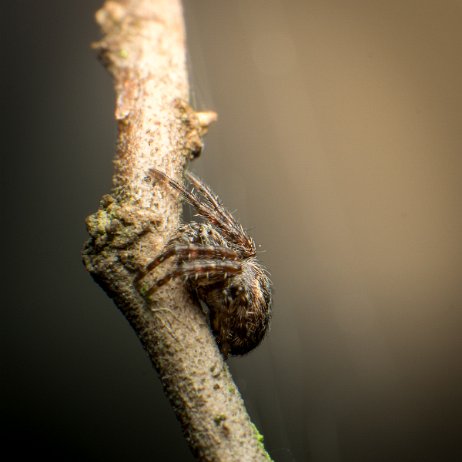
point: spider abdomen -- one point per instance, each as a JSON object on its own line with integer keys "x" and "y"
{"x": 240, "y": 308}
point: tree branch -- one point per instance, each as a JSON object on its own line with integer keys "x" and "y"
{"x": 144, "y": 49}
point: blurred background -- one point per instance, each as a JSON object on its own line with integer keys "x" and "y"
{"x": 339, "y": 146}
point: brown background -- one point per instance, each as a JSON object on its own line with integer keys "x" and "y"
{"x": 338, "y": 144}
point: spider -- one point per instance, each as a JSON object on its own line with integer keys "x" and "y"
{"x": 218, "y": 261}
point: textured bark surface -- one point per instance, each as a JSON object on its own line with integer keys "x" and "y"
{"x": 144, "y": 49}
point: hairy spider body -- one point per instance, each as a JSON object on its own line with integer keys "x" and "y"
{"x": 218, "y": 261}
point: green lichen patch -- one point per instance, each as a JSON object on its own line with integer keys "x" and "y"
{"x": 119, "y": 224}
{"x": 143, "y": 289}
{"x": 219, "y": 419}
{"x": 259, "y": 437}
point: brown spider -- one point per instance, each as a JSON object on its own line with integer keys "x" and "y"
{"x": 218, "y": 261}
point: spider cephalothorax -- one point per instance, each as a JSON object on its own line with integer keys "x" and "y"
{"x": 218, "y": 261}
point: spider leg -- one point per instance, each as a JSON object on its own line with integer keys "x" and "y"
{"x": 202, "y": 208}
{"x": 198, "y": 268}
{"x": 210, "y": 197}
{"x": 190, "y": 252}
{"x": 212, "y": 209}
{"x": 230, "y": 226}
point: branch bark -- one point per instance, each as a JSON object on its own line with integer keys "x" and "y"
{"x": 143, "y": 47}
